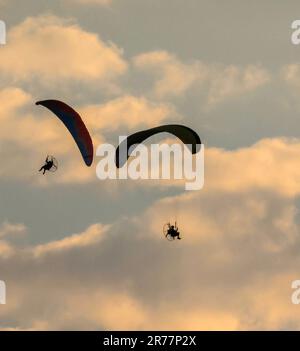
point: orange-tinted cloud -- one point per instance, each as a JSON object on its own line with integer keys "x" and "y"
{"x": 55, "y": 49}
{"x": 173, "y": 77}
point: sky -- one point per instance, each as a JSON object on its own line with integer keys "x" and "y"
{"x": 78, "y": 253}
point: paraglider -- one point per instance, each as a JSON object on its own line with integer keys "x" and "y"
{"x": 185, "y": 134}
{"x": 72, "y": 120}
{"x": 76, "y": 127}
{"x": 188, "y": 136}
{"x": 50, "y": 165}
{"x": 171, "y": 232}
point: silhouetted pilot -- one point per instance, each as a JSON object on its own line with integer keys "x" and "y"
{"x": 47, "y": 166}
{"x": 174, "y": 232}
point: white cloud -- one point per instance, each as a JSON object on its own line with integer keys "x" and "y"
{"x": 231, "y": 81}
{"x": 173, "y": 77}
{"x": 270, "y": 165}
{"x": 54, "y": 49}
{"x": 130, "y": 277}
{"x": 91, "y": 236}
{"x": 35, "y": 132}
{"x": 8, "y": 228}
{"x": 127, "y": 112}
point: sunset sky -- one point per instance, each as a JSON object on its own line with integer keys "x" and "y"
{"x": 78, "y": 253}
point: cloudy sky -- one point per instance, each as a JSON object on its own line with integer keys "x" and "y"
{"x": 80, "y": 253}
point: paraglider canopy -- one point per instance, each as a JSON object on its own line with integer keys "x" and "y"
{"x": 72, "y": 120}
{"x": 187, "y": 135}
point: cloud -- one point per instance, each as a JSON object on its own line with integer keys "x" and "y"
{"x": 174, "y": 78}
{"x": 6, "y": 250}
{"x": 94, "y": 2}
{"x": 239, "y": 253}
{"x": 91, "y": 236}
{"x": 234, "y": 277}
{"x": 270, "y": 164}
{"x": 231, "y": 81}
{"x": 239, "y": 250}
{"x": 8, "y": 228}
{"x": 69, "y": 53}
{"x": 25, "y": 135}
{"x": 29, "y": 132}
{"x": 132, "y": 314}
{"x": 291, "y": 74}
{"x": 127, "y": 112}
